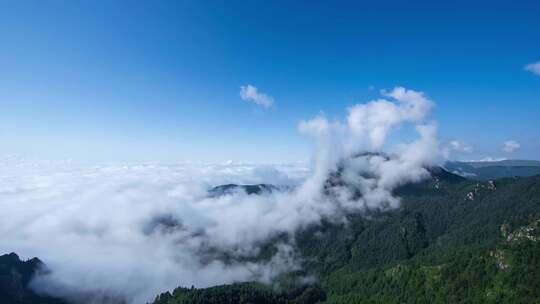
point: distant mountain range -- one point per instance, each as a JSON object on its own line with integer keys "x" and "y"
{"x": 489, "y": 170}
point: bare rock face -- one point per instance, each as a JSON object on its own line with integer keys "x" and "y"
{"x": 499, "y": 257}
{"x": 479, "y": 188}
{"x": 505, "y": 230}
{"x": 528, "y": 233}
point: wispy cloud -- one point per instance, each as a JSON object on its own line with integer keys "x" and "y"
{"x": 251, "y": 93}
{"x": 373, "y": 120}
{"x": 533, "y": 67}
{"x": 488, "y": 159}
{"x": 510, "y": 146}
{"x": 460, "y": 146}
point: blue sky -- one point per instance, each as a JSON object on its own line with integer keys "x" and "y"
{"x": 160, "y": 80}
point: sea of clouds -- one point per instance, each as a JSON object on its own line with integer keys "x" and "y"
{"x": 132, "y": 231}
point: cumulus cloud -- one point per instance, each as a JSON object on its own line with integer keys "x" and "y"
{"x": 373, "y": 120}
{"x": 510, "y": 146}
{"x": 251, "y": 93}
{"x": 533, "y": 67}
{"x": 371, "y": 177}
{"x": 155, "y": 227}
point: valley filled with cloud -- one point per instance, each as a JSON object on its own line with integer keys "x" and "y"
{"x": 133, "y": 230}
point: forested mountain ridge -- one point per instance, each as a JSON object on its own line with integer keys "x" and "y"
{"x": 15, "y": 277}
{"x": 453, "y": 240}
{"x": 445, "y": 244}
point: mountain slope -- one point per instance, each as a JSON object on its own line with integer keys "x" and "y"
{"x": 443, "y": 243}
{"x": 15, "y": 276}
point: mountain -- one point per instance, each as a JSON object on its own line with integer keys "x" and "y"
{"x": 248, "y": 189}
{"x": 453, "y": 240}
{"x": 488, "y": 170}
{"x": 15, "y": 277}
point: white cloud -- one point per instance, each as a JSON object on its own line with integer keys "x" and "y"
{"x": 487, "y": 159}
{"x": 87, "y": 222}
{"x": 365, "y": 130}
{"x": 533, "y": 67}
{"x": 460, "y": 146}
{"x": 510, "y": 146}
{"x": 250, "y": 93}
{"x": 373, "y": 120}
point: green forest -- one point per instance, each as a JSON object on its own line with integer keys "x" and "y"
{"x": 452, "y": 241}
